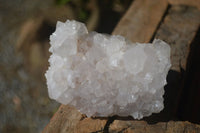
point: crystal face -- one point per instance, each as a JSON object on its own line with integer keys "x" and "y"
{"x": 104, "y": 75}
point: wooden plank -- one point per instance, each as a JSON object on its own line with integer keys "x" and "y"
{"x": 67, "y": 120}
{"x": 64, "y": 120}
{"x": 141, "y": 20}
{"x": 119, "y": 126}
{"x": 195, "y": 3}
{"x": 178, "y": 30}
{"x": 89, "y": 125}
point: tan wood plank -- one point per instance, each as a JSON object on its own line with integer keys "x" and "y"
{"x": 67, "y": 120}
{"x": 141, "y": 20}
{"x": 64, "y": 120}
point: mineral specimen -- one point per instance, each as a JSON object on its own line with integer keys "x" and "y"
{"x": 103, "y": 75}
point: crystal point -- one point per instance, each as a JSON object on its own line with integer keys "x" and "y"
{"x": 103, "y": 75}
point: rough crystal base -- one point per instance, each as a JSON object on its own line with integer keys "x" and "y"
{"x": 103, "y": 75}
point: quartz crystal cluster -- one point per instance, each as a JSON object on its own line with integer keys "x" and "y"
{"x": 104, "y": 75}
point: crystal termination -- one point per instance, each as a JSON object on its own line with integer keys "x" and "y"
{"x": 104, "y": 75}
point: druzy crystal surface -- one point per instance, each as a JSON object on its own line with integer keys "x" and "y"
{"x": 104, "y": 75}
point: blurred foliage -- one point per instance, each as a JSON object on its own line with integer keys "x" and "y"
{"x": 83, "y": 15}
{"x": 83, "y": 11}
{"x": 80, "y": 6}
{"x": 62, "y": 2}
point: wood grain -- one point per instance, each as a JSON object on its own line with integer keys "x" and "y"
{"x": 179, "y": 29}
{"x": 64, "y": 120}
{"x": 141, "y": 20}
{"x": 195, "y": 3}
{"x": 162, "y": 127}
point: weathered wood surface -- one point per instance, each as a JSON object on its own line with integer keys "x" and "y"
{"x": 162, "y": 127}
{"x": 141, "y": 20}
{"x": 195, "y": 3}
{"x": 178, "y": 29}
{"x": 67, "y": 119}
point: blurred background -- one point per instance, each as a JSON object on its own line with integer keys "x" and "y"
{"x": 25, "y": 27}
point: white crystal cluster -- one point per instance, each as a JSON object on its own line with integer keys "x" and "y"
{"x": 103, "y": 75}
